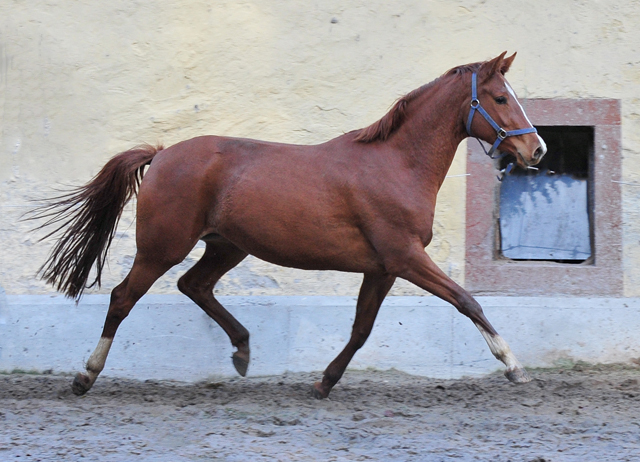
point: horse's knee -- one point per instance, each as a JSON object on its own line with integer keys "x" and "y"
{"x": 472, "y": 309}
{"x": 469, "y": 306}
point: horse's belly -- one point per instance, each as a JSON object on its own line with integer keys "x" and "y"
{"x": 307, "y": 247}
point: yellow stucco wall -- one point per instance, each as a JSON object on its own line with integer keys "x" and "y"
{"x": 81, "y": 81}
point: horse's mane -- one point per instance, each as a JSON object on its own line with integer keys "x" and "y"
{"x": 383, "y": 128}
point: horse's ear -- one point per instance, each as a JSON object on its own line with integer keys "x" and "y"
{"x": 491, "y": 67}
{"x": 506, "y": 64}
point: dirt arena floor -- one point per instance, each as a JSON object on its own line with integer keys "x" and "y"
{"x": 580, "y": 414}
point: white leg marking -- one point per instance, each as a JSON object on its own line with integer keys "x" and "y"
{"x": 500, "y": 350}
{"x": 98, "y": 358}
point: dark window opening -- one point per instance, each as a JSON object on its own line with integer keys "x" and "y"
{"x": 545, "y": 213}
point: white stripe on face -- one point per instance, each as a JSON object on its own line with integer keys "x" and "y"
{"x": 515, "y": 98}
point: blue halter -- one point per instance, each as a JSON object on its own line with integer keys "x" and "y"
{"x": 501, "y": 133}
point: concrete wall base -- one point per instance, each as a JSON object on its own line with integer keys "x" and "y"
{"x": 168, "y": 337}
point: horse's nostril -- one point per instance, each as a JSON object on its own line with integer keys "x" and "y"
{"x": 539, "y": 153}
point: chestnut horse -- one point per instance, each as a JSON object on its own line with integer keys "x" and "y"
{"x": 363, "y": 202}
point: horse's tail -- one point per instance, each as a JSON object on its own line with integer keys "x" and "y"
{"x": 86, "y": 218}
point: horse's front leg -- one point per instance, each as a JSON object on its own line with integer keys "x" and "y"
{"x": 372, "y": 292}
{"x": 418, "y": 268}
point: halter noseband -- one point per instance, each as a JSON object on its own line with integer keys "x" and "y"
{"x": 501, "y": 133}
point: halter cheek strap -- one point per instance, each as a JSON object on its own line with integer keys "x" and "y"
{"x": 501, "y": 133}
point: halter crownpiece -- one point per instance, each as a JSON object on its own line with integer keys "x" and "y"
{"x": 501, "y": 133}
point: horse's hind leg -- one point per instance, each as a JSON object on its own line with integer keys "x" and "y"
{"x": 372, "y": 293}
{"x": 142, "y": 275}
{"x": 219, "y": 257}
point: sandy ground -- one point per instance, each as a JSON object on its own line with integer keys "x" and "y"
{"x": 581, "y": 414}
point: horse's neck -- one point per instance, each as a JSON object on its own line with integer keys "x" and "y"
{"x": 433, "y": 130}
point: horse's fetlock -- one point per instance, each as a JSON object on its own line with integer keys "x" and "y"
{"x": 94, "y": 368}
{"x": 241, "y": 342}
{"x": 330, "y": 379}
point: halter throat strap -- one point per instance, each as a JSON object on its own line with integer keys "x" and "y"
{"x": 501, "y": 133}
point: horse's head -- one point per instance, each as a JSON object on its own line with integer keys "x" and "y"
{"x": 495, "y": 115}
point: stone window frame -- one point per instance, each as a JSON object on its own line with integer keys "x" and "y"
{"x": 487, "y": 272}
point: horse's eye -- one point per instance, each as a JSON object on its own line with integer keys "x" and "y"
{"x": 501, "y": 100}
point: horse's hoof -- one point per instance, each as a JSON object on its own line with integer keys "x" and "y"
{"x": 241, "y": 362}
{"x": 318, "y": 392}
{"x": 517, "y": 375}
{"x": 81, "y": 384}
